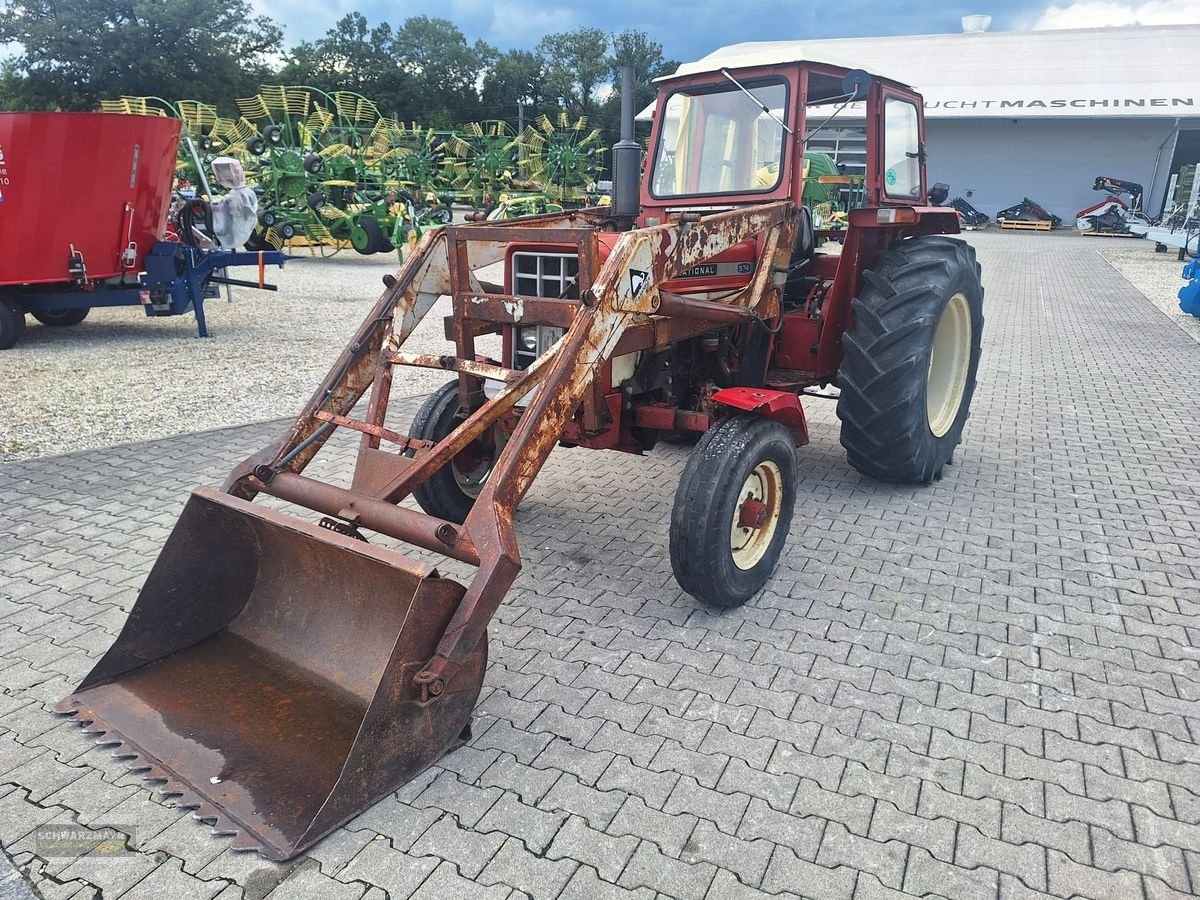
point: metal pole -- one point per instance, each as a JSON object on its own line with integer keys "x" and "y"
{"x": 521, "y": 145}
{"x": 1174, "y": 133}
{"x": 628, "y": 76}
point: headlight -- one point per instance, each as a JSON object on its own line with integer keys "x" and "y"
{"x": 527, "y": 339}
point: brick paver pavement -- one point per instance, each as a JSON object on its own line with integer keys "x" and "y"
{"x": 985, "y": 688}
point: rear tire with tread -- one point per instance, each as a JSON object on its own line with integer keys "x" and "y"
{"x": 886, "y": 372}
{"x": 708, "y": 502}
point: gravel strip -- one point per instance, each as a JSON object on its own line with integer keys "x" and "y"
{"x": 122, "y": 376}
{"x": 1154, "y": 274}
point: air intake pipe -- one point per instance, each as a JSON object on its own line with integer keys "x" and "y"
{"x": 627, "y": 157}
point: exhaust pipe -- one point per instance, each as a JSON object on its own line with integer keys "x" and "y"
{"x": 627, "y": 157}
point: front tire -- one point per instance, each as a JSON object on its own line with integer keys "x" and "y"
{"x": 451, "y": 491}
{"x": 12, "y": 322}
{"x": 910, "y": 360}
{"x": 62, "y": 318}
{"x": 733, "y": 509}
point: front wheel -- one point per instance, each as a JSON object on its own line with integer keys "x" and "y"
{"x": 733, "y": 509}
{"x": 910, "y": 359}
{"x": 12, "y": 322}
{"x": 451, "y": 491}
{"x": 62, "y": 318}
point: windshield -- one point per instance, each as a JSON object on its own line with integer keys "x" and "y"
{"x": 715, "y": 140}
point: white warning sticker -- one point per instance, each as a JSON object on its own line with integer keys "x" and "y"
{"x": 637, "y": 282}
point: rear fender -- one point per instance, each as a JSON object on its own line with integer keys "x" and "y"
{"x": 781, "y": 406}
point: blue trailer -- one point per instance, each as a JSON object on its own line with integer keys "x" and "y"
{"x": 178, "y": 278}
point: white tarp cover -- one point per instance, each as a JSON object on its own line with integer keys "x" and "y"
{"x": 1135, "y": 71}
{"x": 236, "y": 213}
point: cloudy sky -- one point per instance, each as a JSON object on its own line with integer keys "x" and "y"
{"x": 691, "y": 29}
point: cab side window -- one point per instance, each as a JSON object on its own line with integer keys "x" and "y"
{"x": 901, "y": 150}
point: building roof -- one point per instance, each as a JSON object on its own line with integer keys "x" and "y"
{"x": 1093, "y": 72}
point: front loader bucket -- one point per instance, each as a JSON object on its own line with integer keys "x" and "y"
{"x": 265, "y": 674}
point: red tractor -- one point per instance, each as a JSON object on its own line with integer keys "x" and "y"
{"x": 705, "y": 304}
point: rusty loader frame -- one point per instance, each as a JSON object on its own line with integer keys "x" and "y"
{"x": 610, "y": 307}
{"x": 250, "y": 603}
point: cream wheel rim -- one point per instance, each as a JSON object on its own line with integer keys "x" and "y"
{"x": 471, "y": 483}
{"x": 762, "y": 488}
{"x": 949, "y": 360}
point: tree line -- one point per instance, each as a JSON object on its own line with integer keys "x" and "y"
{"x": 74, "y": 53}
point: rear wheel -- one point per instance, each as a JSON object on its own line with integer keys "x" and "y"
{"x": 61, "y": 318}
{"x": 452, "y": 490}
{"x": 12, "y": 322}
{"x": 908, "y": 370}
{"x": 733, "y": 509}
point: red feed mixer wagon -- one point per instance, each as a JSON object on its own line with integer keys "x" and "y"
{"x": 84, "y": 203}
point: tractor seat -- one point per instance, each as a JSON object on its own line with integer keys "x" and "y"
{"x": 805, "y": 245}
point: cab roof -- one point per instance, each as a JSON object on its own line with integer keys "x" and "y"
{"x": 755, "y": 54}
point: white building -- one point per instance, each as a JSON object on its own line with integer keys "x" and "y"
{"x": 1016, "y": 114}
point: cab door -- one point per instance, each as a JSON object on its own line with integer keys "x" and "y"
{"x": 900, "y": 145}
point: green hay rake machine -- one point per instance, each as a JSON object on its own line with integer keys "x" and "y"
{"x": 332, "y": 172}
{"x": 565, "y": 160}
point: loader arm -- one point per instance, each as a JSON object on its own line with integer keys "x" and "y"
{"x": 607, "y": 310}
{"x": 625, "y": 289}
{"x": 409, "y": 295}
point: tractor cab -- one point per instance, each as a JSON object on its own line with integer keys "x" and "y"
{"x": 735, "y": 137}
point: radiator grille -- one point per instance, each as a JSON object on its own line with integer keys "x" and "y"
{"x": 545, "y": 274}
